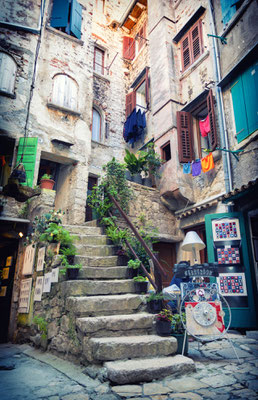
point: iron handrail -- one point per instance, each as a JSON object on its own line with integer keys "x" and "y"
{"x": 138, "y": 236}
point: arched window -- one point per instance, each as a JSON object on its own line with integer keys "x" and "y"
{"x": 96, "y": 126}
{"x": 65, "y": 92}
{"x": 8, "y": 70}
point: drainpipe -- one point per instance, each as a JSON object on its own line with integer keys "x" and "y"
{"x": 221, "y": 112}
{"x": 37, "y": 30}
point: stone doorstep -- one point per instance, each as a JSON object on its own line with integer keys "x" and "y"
{"x": 93, "y": 240}
{"x": 119, "y": 348}
{"x": 90, "y": 250}
{"x": 103, "y": 273}
{"x": 83, "y": 230}
{"x": 116, "y": 323}
{"x": 93, "y": 288}
{"x": 147, "y": 369}
{"x": 106, "y": 261}
{"x": 123, "y": 303}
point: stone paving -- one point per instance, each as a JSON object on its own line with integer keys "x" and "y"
{"x": 28, "y": 374}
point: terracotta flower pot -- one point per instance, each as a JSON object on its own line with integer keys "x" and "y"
{"x": 47, "y": 184}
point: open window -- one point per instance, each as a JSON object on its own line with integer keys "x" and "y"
{"x": 139, "y": 98}
{"x": 166, "y": 152}
{"x": 96, "y": 126}
{"x": 67, "y": 17}
{"x": 8, "y": 69}
{"x": 6, "y": 157}
{"x": 196, "y": 130}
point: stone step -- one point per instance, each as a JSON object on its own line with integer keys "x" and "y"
{"x": 86, "y": 261}
{"x": 94, "y": 222}
{"x": 84, "y": 229}
{"x": 95, "y": 288}
{"x": 147, "y": 369}
{"x": 116, "y": 325}
{"x": 105, "y": 305}
{"x": 95, "y": 240}
{"x": 119, "y": 348}
{"x": 98, "y": 251}
{"x": 103, "y": 273}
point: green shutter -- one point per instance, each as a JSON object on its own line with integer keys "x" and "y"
{"x": 250, "y": 87}
{"x": 228, "y": 9}
{"x": 60, "y": 11}
{"x": 76, "y": 19}
{"x": 29, "y": 151}
{"x": 239, "y": 110}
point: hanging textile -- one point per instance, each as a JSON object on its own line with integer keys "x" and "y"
{"x": 187, "y": 168}
{"x": 196, "y": 168}
{"x": 205, "y": 126}
{"x": 207, "y": 163}
{"x": 134, "y": 126}
{"x": 2, "y": 159}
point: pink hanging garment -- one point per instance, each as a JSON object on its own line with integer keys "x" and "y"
{"x": 205, "y": 126}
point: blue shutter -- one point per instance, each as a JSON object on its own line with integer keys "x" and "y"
{"x": 250, "y": 87}
{"x": 239, "y": 109}
{"x": 228, "y": 9}
{"x": 60, "y": 11}
{"x": 76, "y": 18}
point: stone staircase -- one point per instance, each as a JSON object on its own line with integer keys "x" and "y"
{"x": 111, "y": 320}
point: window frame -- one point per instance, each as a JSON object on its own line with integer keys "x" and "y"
{"x": 100, "y": 136}
{"x": 102, "y": 65}
{"x": 66, "y": 15}
{"x": 10, "y": 77}
{"x": 192, "y": 45}
{"x": 130, "y": 102}
{"x": 66, "y": 90}
{"x": 163, "y": 153}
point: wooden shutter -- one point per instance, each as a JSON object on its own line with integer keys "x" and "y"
{"x": 128, "y": 48}
{"x": 213, "y": 131}
{"x": 228, "y": 9}
{"x": 250, "y": 88}
{"x": 147, "y": 88}
{"x": 196, "y": 41}
{"x": 8, "y": 70}
{"x": 239, "y": 106}
{"x": 76, "y": 19}
{"x": 28, "y": 147}
{"x": 59, "y": 16}
{"x": 130, "y": 103}
{"x": 185, "y": 52}
{"x": 184, "y": 136}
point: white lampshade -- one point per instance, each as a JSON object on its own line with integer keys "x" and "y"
{"x": 192, "y": 241}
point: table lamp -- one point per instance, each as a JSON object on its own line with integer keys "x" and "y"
{"x": 193, "y": 242}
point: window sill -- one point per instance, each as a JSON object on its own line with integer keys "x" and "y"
{"x": 7, "y": 94}
{"x": 96, "y": 75}
{"x": 63, "y": 109}
{"x": 245, "y": 142}
{"x": 193, "y": 66}
{"x": 99, "y": 144}
{"x": 64, "y": 35}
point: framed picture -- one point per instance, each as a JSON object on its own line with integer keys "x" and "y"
{"x": 28, "y": 260}
{"x": 3, "y": 291}
{"x": 5, "y": 273}
{"x": 25, "y": 292}
{"x": 9, "y": 261}
{"x": 41, "y": 258}
{"x": 39, "y": 288}
{"x": 47, "y": 282}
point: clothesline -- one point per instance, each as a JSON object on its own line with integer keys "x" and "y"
{"x": 234, "y": 152}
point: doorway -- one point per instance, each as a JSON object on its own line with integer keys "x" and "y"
{"x": 90, "y": 213}
{"x": 167, "y": 258}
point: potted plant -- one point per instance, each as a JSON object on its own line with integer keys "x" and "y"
{"x": 133, "y": 266}
{"x": 152, "y": 162}
{"x": 163, "y": 322}
{"x": 140, "y": 284}
{"x": 135, "y": 165}
{"x": 178, "y": 331}
{"x": 69, "y": 252}
{"x": 154, "y": 302}
{"x": 46, "y": 182}
{"x": 71, "y": 271}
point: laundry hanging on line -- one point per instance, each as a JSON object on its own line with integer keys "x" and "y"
{"x": 196, "y": 168}
{"x": 205, "y": 126}
{"x": 187, "y": 168}
{"x": 207, "y": 163}
{"x": 134, "y": 126}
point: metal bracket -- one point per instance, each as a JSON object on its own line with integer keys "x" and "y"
{"x": 222, "y": 38}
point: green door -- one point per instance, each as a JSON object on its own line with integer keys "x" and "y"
{"x": 235, "y": 269}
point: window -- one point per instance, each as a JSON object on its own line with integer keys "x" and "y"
{"x": 65, "y": 92}
{"x": 228, "y": 9}
{"x": 132, "y": 46}
{"x": 166, "y": 152}
{"x": 139, "y": 98}
{"x": 98, "y": 63}
{"x": 8, "y": 70}
{"x": 189, "y": 135}
{"x": 96, "y": 126}
{"x": 245, "y": 100}
{"x": 191, "y": 45}
{"x": 100, "y": 4}
{"x": 141, "y": 37}
{"x": 67, "y": 17}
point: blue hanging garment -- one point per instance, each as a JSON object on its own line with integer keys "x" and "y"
{"x": 187, "y": 168}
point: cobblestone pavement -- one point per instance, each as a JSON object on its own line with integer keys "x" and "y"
{"x": 29, "y": 374}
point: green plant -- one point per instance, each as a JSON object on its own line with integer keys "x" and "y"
{"x": 116, "y": 235}
{"x": 56, "y": 233}
{"x": 40, "y": 224}
{"x": 46, "y": 176}
{"x": 154, "y": 296}
{"x": 134, "y": 164}
{"x": 65, "y": 264}
{"x": 42, "y": 325}
{"x": 140, "y": 278}
{"x": 152, "y": 160}
{"x": 164, "y": 315}
{"x": 68, "y": 251}
{"x": 135, "y": 264}
{"x": 176, "y": 323}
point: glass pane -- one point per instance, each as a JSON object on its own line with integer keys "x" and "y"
{"x": 96, "y": 126}
{"x": 140, "y": 97}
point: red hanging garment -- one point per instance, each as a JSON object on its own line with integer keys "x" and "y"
{"x": 205, "y": 126}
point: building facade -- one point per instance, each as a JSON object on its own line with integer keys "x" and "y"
{"x": 72, "y": 73}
